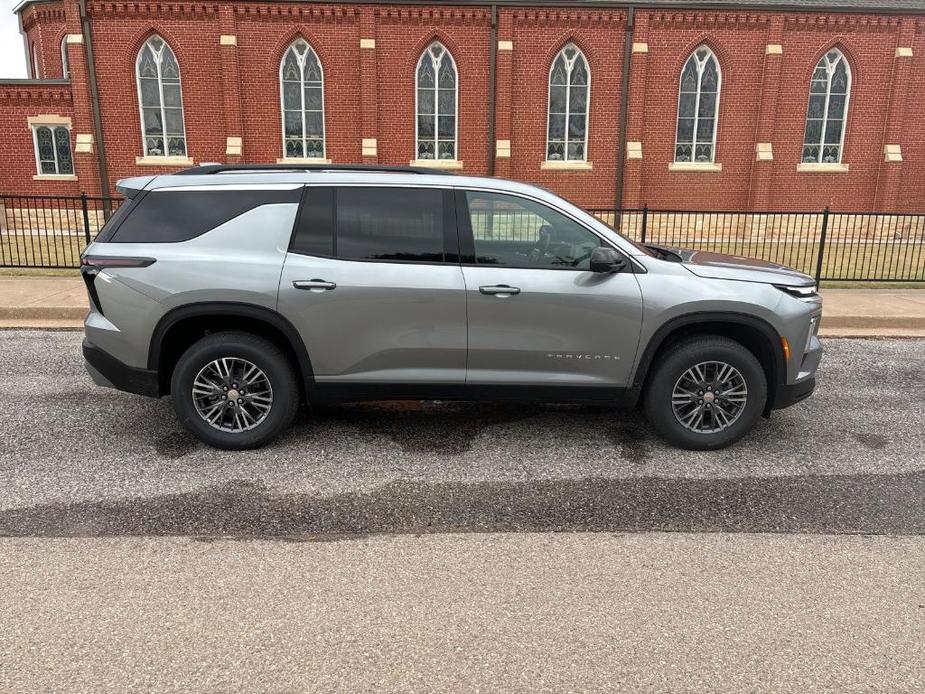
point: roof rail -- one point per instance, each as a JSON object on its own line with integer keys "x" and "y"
{"x": 364, "y": 168}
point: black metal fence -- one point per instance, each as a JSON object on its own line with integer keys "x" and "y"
{"x": 51, "y": 231}
{"x": 831, "y": 246}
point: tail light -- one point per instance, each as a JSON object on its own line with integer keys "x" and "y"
{"x": 90, "y": 266}
{"x": 99, "y": 262}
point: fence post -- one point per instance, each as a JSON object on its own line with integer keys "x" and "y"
{"x": 822, "y": 235}
{"x": 645, "y": 221}
{"x": 83, "y": 205}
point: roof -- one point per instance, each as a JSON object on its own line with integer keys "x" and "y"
{"x": 867, "y": 6}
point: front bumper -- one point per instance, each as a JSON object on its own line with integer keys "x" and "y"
{"x": 106, "y": 370}
{"x": 791, "y": 393}
{"x": 788, "y": 394}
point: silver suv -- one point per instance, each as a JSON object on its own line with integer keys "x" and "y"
{"x": 244, "y": 290}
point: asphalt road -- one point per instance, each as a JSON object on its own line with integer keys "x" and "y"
{"x": 514, "y": 612}
{"x": 370, "y": 549}
{"x": 76, "y": 459}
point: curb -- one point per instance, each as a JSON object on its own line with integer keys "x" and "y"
{"x": 40, "y": 313}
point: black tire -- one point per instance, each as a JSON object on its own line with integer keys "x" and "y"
{"x": 676, "y": 361}
{"x": 261, "y": 353}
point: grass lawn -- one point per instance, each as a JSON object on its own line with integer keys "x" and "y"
{"x": 894, "y": 262}
{"x": 842, "y": 262}
{"x": 41, "y": 251}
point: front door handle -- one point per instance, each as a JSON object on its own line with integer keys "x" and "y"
{"x": 500, "y": 290}
{"x": 316, "y": 286}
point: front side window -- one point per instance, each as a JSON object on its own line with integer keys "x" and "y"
{"x": 160, "y": 98}
{"x": 301, "y": 83}
{"x": 829, "y": 90}
{"x": 511, "y": 231}
{"x": 567, "y": 128}
{"x": 436, "y": 92}
{"x": 53, "y": 150}
{"x": 65, "y": 64}
{"x": 698, "y": 107}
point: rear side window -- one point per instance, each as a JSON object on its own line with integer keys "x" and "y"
{"x": 115, "y": 219}
{"x": 314, "y": 233}
{"x": 179, "y": 215}
{"x": 370, "y": 223}
{"x": 390, "y": 224}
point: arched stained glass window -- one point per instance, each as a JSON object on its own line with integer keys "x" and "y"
{"x": 436, "y": 92}
{"x": 567, "y": 125}
{"x": 301, "y": 84}
{"x": 698, "y": 108}
{"x": 829, "y": 91}
{"x": 160, "y": 97}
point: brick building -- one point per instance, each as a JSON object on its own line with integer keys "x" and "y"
{"x": 790, "y": 104}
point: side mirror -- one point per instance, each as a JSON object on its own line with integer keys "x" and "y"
{"x": 606, "y": 260}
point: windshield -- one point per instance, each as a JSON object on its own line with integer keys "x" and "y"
{"x": 641, "y": 247}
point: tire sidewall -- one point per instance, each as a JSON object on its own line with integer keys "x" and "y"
{"x": 259, "y": 352}
{"x": 682, "y": 357}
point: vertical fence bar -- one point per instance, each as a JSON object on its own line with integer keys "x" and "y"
{"x": 645, "y": 220}
{"x": 83, "y": 206}
{"x": 822, "y": 234}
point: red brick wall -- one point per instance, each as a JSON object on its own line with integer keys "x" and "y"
{"x": 402, "y": 35}
{"x": 911, "y": 193}
{"x": 869, "y": 49}
{"x": 738, "y": 42}
{"x": 17, "y": 103}
{"x": 369, "y": 93}
{"x": 538, "y": 36}
{"x": 44, "y": 25}
{"x": 192, "y": 32}
{"x": 262, "y": 41}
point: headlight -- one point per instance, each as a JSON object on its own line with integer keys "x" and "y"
{"x": 799, "y": 292}
{"x": 813, "y": 330}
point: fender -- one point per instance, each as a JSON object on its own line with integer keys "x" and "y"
{"x": 231, "y": 308}
{"x": 778, "y": 374}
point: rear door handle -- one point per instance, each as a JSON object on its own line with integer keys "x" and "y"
{"x": 316, "y": 286}
{"x": 500, "y": 290}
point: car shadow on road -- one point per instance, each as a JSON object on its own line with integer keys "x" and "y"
{"x": 872, "y": 504}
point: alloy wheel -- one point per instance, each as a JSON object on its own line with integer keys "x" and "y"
{"x": 232, "y": 394}
{"x": 709, "y": 397}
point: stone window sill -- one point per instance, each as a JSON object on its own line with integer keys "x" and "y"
{"x": 822, "y": 168}
{"x": 163, "y": 161}
{"x": 693, "y": 166}
{"x": 437, "y": 163}
{"x": 559, "y": 165}
{"x": 54, "y": 177}
{"x": 302, "y": 160}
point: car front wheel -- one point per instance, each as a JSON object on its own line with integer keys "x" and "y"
{"x": 705, "y": 393}
{"x": 234, "y": 390}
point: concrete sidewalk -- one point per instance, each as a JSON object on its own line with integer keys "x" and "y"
{"x": 61, "y": 302}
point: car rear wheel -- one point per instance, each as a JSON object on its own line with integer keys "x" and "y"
{"x": 234, "y": 390}
{"x": 705, "y": 393}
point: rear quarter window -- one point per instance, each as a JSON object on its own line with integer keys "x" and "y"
{"x": 178, "y": 215}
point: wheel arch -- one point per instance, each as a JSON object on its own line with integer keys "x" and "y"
{"x": 182, "y": 326}
{"x": 755, "y": 334}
